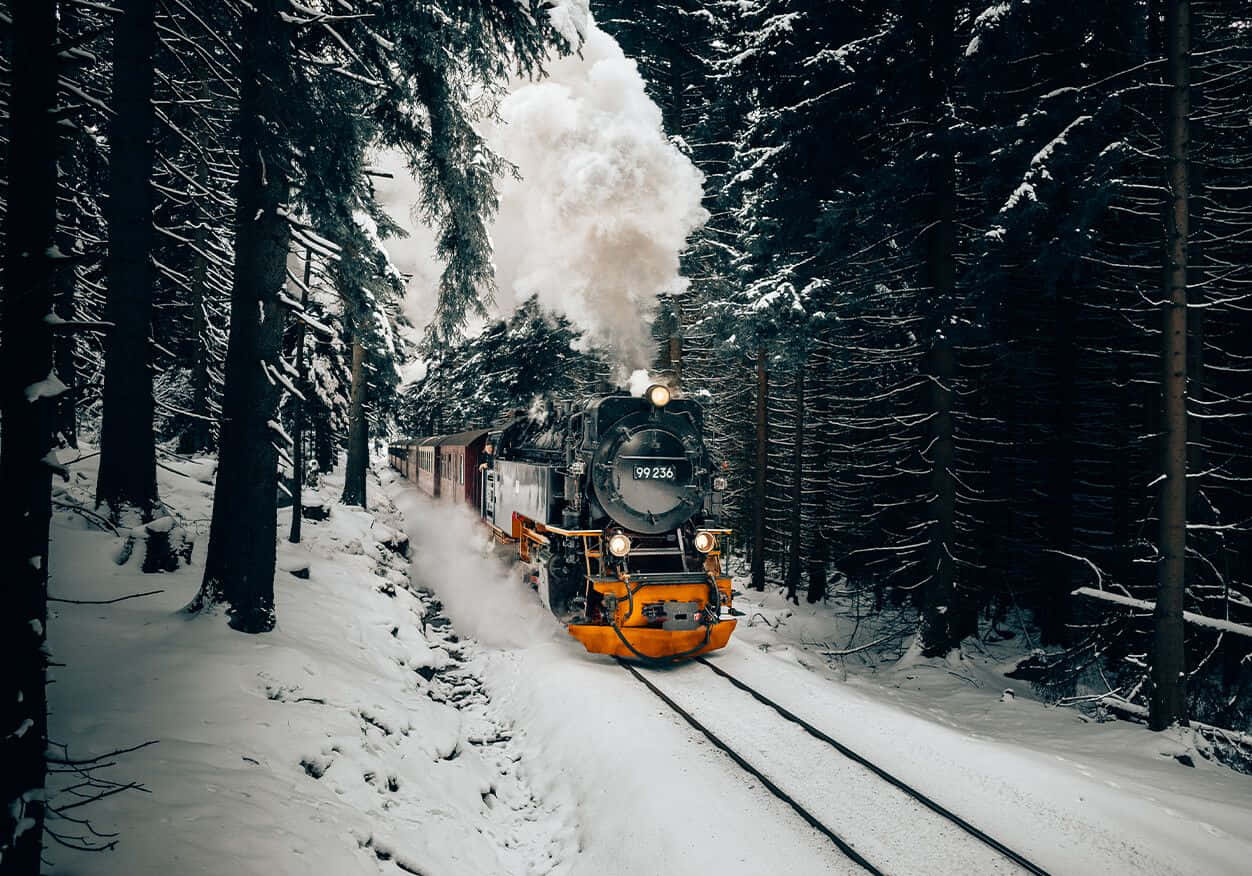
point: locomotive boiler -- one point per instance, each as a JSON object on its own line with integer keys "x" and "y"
{"x": 613, "y": 504}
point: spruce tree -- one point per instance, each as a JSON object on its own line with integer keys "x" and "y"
{"x": 27, "y": 403}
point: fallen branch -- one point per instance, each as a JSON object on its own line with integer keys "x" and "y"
{"x": 79, "y": 509}
{"x": 67, "y": 761}
{"x": 1190, "y": 617}
{"x": 104, "y": 601}
{"x": 846, "y": 651}
{"x": 81, "y": 458}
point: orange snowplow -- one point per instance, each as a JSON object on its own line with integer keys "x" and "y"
{"x": 663, "y": 616}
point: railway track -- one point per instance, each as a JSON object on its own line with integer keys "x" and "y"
{"x": 883, "y": 824}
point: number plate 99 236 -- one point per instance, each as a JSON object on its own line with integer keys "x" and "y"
{"x": 655, "y": 473}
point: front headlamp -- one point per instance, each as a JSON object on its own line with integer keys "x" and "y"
{"x": 704, "y": 541}
{"x": 619, "y": 545}
{"x": 659, "y": 395}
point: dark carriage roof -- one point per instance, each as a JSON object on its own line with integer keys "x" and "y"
{"x": 462, "y": 439}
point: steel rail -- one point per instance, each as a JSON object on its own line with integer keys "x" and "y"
{"x": 843, "y": 845}
{"x": 917, "y": 795}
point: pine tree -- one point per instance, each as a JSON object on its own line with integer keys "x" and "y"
{"x": 504, "y": 368}
{"x": 27, "y": 403}
{"x": 390, "y": 86}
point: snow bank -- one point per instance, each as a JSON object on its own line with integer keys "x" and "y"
{"x": 1074, "y": 795}
{"x": 349, "y": 740}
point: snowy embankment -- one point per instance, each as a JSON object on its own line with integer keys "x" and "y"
{"x": 1076, "y": 794}
{"x": 367, "y": 734}
{"x": 350, "y": 740}
{"x": 651, "y": 795}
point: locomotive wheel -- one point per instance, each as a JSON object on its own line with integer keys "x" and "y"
{"x": 562, "y": 587}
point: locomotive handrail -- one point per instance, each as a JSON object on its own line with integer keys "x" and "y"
{"x": 574, "y": 533}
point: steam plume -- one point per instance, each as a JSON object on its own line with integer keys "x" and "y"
{"x": 604, "y": 204}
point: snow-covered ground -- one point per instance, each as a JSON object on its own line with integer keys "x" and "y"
{"x": 367, "y": 734}
{"x": 1074, "y": 796}
{"x": 349, "y": 740}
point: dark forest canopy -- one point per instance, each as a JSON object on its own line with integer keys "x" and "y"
{"x": 969, "y": 314}
{"x": 938, "y": 243}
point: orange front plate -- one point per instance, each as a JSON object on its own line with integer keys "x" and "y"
{"x": 649, "y": 641}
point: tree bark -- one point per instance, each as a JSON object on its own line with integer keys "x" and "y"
{"x": 63, "y": 346}
{"x": 762, "y": 464}
{"x": 1168, "y": 693}
{"x": 127, "y": 475}
{"x": 1053, "y": 613}
{"x": 324, "y": 450}
{"x": 26, "y": 431}
{"x": 943, "y": 610}
{"x": 797, "y": 494}
{"x": 239, "y": 568}
{"x": 818, "y": 404}
{"x": 297, "y": 430}
{"x": 358, "y": 430}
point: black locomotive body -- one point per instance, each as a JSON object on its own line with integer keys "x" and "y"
{"x": 615, "y": 460}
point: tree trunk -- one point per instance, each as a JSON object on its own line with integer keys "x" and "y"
{"x": 239, "y": 568}
{"x": 676, "y": 354}
{"x": 358, "y": 430}
{"x": 818, "y": 404}
{"x": 1168, "y": 694}
{"x": 26, "y": 437}
{"x": 297, "y": 430}
{"x": 127, "y": 474}
{"x": 797, "y": 494}
{"x": 1124, "y": 440}
{"x": 67, "y": 373}
{"x": 324, "y": 450}
{"x": 943, "y": 613}
{"x": 762, "y": 464}
{"x": 1053, "y": 613}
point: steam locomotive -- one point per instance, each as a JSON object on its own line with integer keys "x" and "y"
{"x": 612, "y": 504}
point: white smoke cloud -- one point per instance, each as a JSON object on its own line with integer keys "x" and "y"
{"x": 603, "y": 208}
{"x": 639, "y": 382}
{"x": 605, "y": 203}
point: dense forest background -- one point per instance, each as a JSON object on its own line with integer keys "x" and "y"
{"x": 927, "y": 312}
{"x": 955, "y": 251}
{"x": 926, "y": 318}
